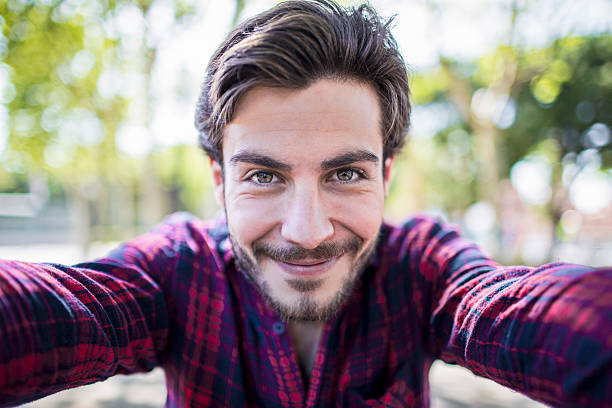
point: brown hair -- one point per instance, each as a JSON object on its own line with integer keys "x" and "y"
{"x": 296, "y": 43}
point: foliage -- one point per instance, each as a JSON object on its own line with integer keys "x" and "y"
{"x": 562, "y": 92}
{"x": 556, "y": 95}
{"x": 69, "y": 76}
{"x": 59, "y": 123}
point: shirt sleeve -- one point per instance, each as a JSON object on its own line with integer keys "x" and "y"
{"x": 545, "y": 332}
{"x": 62, "y": 327}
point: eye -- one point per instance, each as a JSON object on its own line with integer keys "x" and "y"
{"x": 345, "y": 174}
{"x": 262, "y": 177}
{"x": 348, "y": 175}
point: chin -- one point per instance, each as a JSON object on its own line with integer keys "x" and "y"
{"x": 308, "y": 299}
{"x": 305, "y": 298}
{"x": 309, "y": 307}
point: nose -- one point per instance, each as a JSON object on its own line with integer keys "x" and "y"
{"x": 306, "y": 222}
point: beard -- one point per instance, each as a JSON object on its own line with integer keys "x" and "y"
{"x": 305, "y": 308}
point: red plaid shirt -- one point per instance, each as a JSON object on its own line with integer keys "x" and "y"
{"x": 174, "y": 298}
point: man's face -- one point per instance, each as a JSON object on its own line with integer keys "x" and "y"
{"x": 303, "y": 190}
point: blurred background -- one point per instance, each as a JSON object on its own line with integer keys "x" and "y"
{"x": 511, "y": 135}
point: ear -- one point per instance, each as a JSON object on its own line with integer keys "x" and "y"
{"x": 217, "y": 177}
{"x": 388, "y": 168}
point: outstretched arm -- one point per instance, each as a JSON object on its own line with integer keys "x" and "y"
{"x": 62, "y": 327}
{"x": 545, "y": 332}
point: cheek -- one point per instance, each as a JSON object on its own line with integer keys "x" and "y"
{"x": 361, "y": 215}
{"x": 250, "y": 218}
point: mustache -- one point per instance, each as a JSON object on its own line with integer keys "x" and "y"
{"x": 326, "y": 250}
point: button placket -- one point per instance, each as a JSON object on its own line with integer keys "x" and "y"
{"x": 290, "y": 383}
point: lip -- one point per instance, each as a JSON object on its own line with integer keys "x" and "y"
{"x": 308, "y": 268}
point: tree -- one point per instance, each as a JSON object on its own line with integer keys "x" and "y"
{"x": 506, "y": 106}
{"x": 69, "y": 75}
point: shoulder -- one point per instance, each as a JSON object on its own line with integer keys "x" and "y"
{"x": 429, "y": 245}
{"x": 416, "y": 232}
{"x": 178, "y": 234}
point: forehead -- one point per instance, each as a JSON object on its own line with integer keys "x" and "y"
{"x": 327, "y": 117}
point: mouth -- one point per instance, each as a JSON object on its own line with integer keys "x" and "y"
{"x": 307, "y": 267}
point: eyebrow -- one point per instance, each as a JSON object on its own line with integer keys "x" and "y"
{"x": 260, "y": 160}
{"x": 349, "y": 158}
{"x": 343, "y": 159}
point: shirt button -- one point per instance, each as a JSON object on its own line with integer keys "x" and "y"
{"x": 278, "y": 327}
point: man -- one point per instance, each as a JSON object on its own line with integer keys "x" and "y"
{"x": 302, "y": 296}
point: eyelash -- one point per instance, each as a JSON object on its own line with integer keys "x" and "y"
{"x": 361, "y": 175}
{"x": 251, "y": 177}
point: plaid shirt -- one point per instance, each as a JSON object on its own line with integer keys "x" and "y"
{"x": 174, "y": 298}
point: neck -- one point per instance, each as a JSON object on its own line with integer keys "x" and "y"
{"x": 305, "y": 337}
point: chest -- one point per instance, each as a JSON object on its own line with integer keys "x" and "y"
{"x": 229, "y": 350}
{"x": 305, "y": 338}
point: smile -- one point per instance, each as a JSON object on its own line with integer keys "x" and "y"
{"x": 306, "y": 267}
